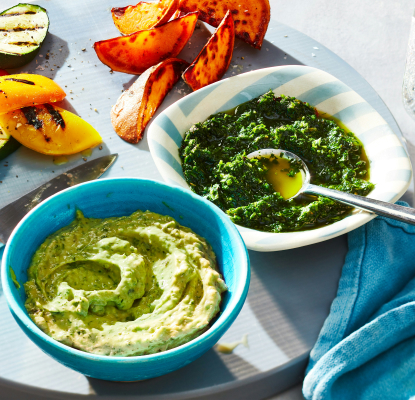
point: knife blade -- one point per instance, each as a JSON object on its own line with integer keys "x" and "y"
{"x": 11, "y": 214}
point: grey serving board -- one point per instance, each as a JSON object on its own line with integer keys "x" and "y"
{"x": 291, "y": 291}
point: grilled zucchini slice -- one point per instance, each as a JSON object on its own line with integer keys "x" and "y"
{"x": 23, "y": 29}
{"x": 8, "y": 144}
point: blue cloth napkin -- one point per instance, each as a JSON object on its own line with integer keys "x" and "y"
{"x": 366, "y": 348}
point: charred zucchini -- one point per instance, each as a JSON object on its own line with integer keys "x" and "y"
{"x": 23, "y": 29}
{"x": 8, "y": 144}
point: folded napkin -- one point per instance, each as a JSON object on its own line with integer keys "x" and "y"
{"x": 366, "y": 348}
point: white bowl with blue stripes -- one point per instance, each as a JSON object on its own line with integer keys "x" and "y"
{"x": 390, "y": 166}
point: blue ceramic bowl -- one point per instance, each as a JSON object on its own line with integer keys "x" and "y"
{"x": 116, "y": 197}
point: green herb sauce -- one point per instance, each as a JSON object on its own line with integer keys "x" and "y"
{"x": 124, "y": 286}
{"x": 14, "y": 279}
{"x": 215, "y": 165}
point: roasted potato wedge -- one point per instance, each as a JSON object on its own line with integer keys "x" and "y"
{"x": 135, "y": 53}
{"x": 214, "y": 59}
{"x": 137, "y": 105}
{"x": 143, "y": 16}
{"x": 176, "y": 15}
{"x": 22, "y": 90}
{"x": 250, "y": 17}
{"x": 50, "y": 130}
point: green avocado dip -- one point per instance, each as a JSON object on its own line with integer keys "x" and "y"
{"x": 215, "y": 164}
{"x": 124, "y": 286}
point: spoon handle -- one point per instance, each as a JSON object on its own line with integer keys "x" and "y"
{"x": 393, "y": 211}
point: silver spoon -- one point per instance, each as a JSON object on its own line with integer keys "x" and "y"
{"x": 394, "y": 211}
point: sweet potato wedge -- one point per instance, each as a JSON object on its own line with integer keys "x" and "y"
{"x": 135, "y": 53}
{"x": 251, "y": 17}
{"x": 176, "y": 14}
{"x": 143, "y": 16}
{"x": 214, "y": 59}
{"x": 137, "y": 105}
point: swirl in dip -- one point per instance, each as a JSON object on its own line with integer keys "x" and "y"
{"x": 124, "y": 286}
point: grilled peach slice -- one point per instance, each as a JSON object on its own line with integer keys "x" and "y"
{"x": 49, "y": 130}
{"x": 143, "y": 16}
{"x": 22, "y": 90}
{"x": 214, "y": 59}
{"x": 251, "y": 18}
{"x": 135, "y": 53}
{"x": 137, "y": 105}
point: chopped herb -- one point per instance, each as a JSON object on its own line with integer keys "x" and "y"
{"x": 215, "y": 165}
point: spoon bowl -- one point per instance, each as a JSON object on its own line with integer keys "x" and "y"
{"x": 304, "y": 171}
{"x": 394, "y": 211}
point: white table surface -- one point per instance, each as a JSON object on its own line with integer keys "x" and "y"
{"x": 371, "y": 36}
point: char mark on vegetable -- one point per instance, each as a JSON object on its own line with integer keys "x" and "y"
{"x": 20, "y": 29}
{"x": 24, "y": 44}
{"x": 20, "y": 80}
{"x": 56, "y": 115}
{"x": 30, "y": 114}
{"x": 119, "y": 11}
{"x": 17, "y": 14}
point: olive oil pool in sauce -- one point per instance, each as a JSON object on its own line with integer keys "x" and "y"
{"x": 287, "y": 183}
{"x": 363, "y": 155}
